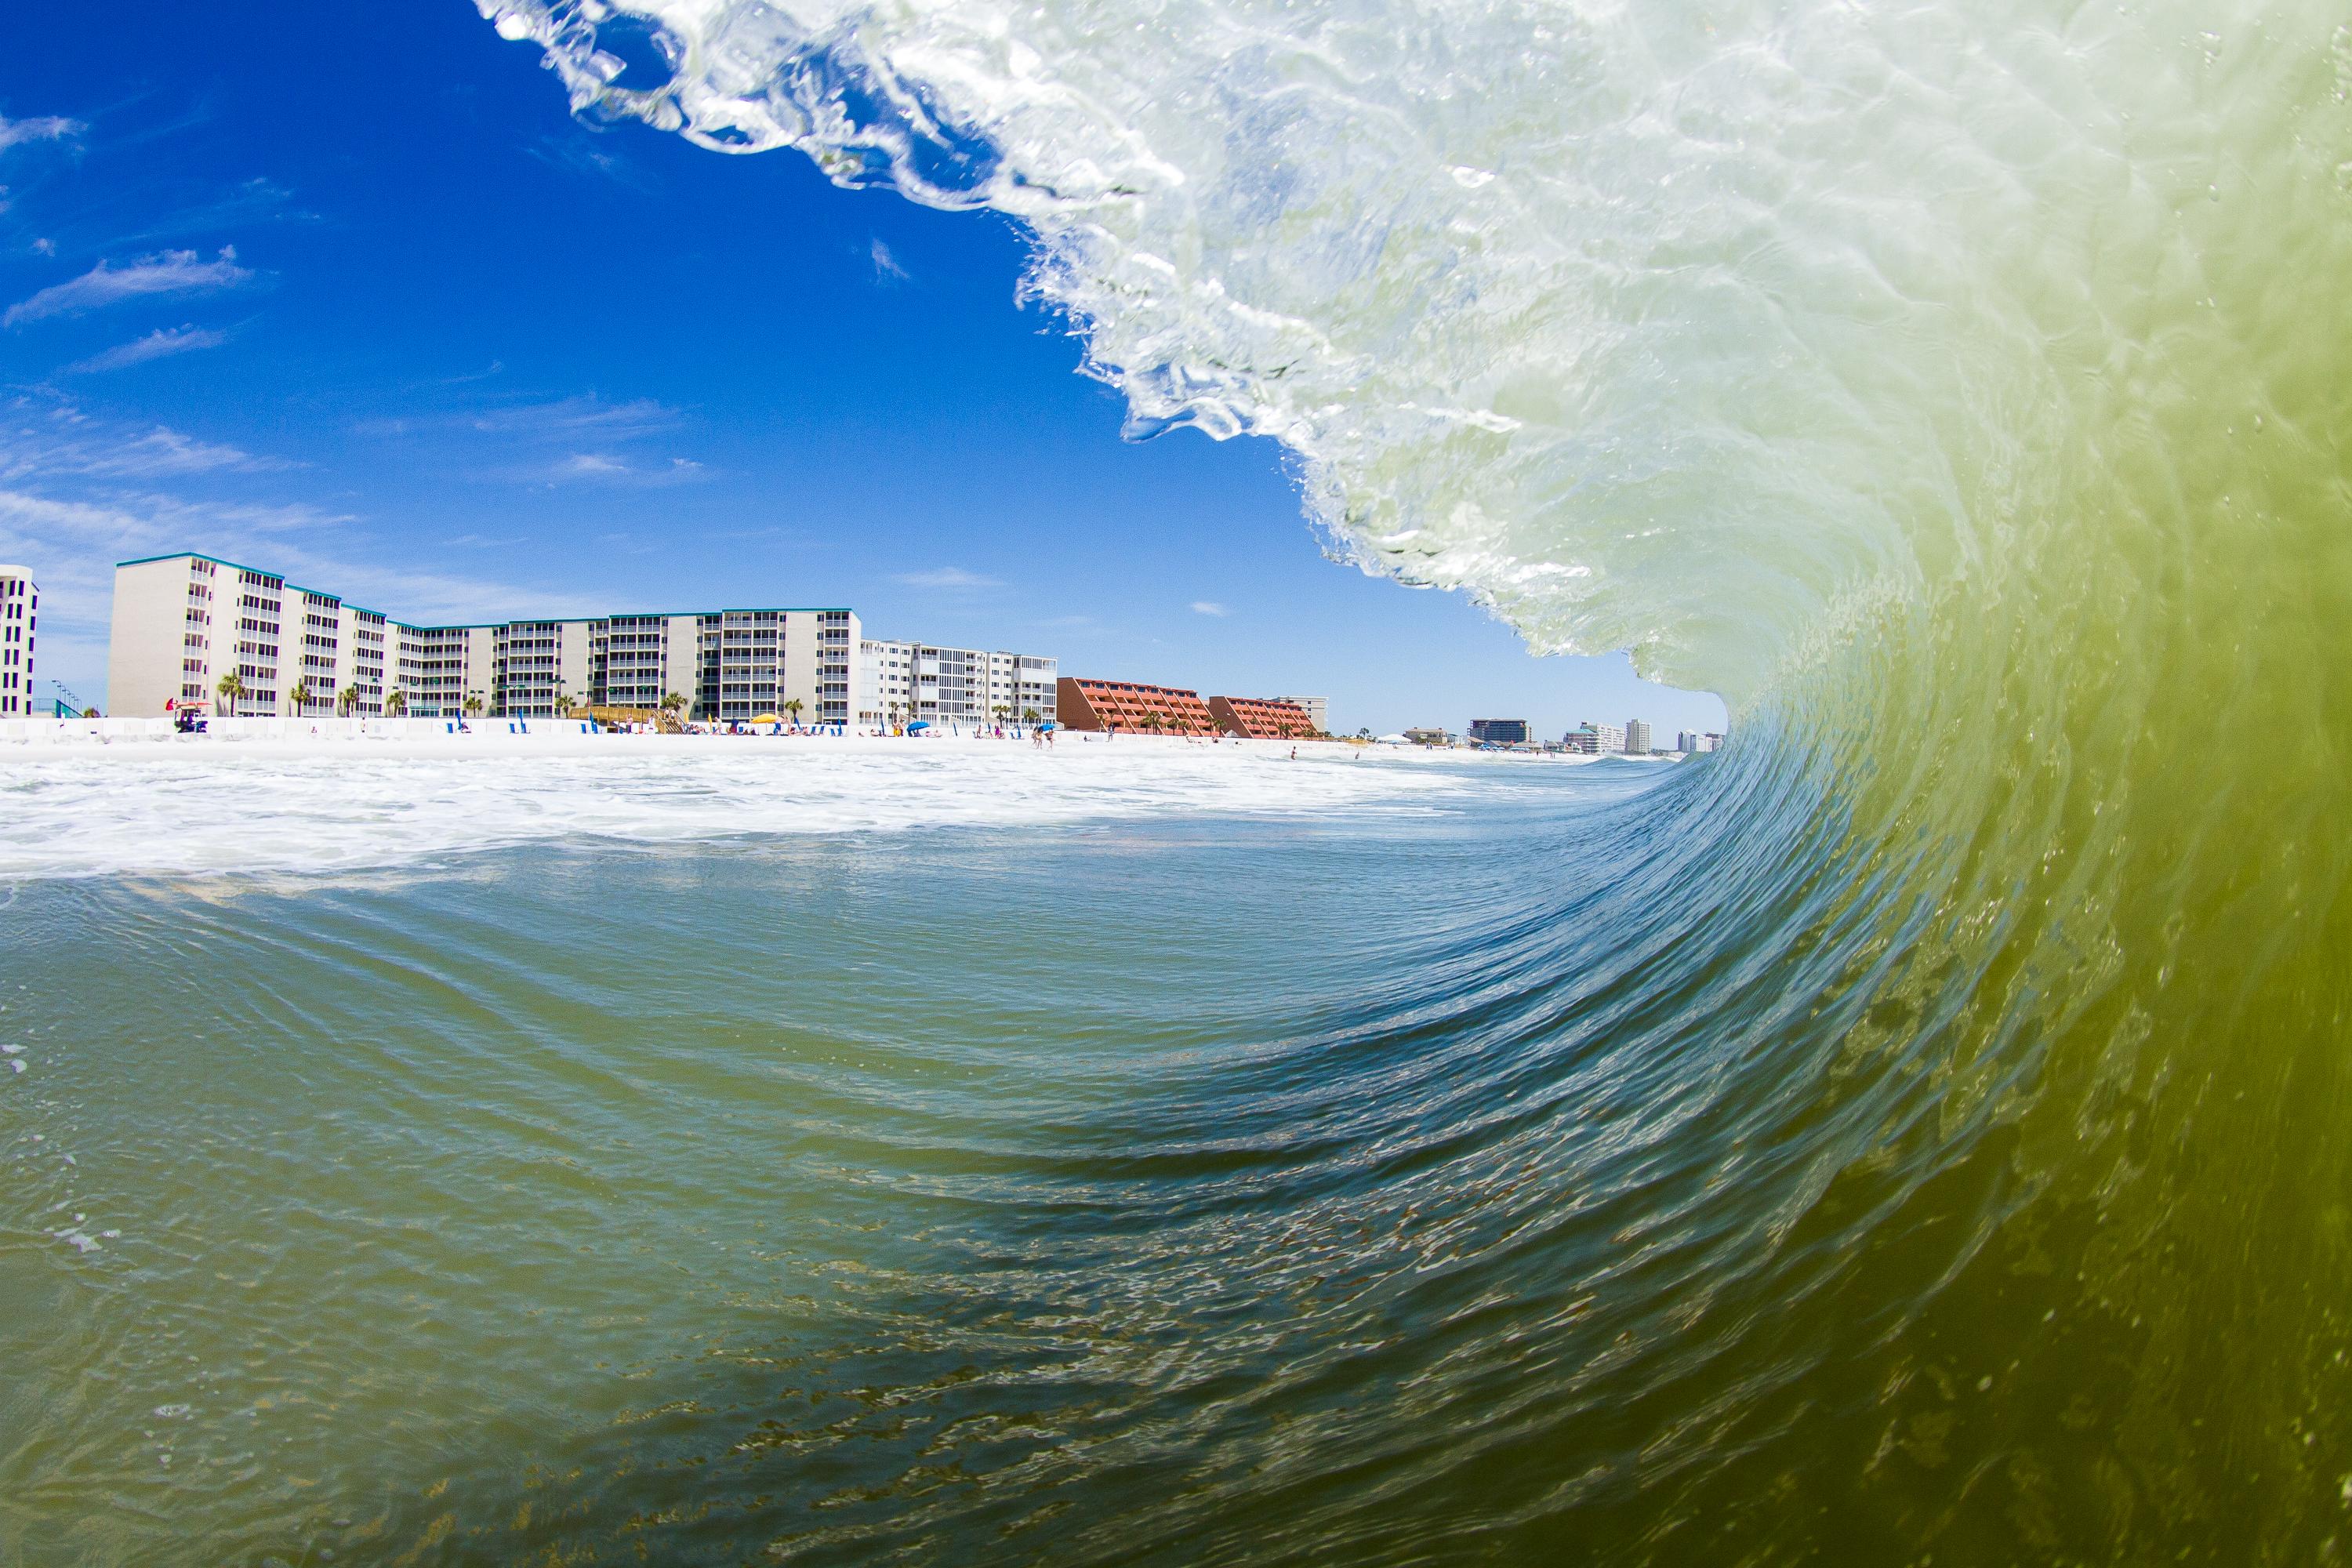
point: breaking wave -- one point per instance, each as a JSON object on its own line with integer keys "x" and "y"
{"x": 1962, "y": 391}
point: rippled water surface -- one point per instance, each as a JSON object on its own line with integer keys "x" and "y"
{"x": 972, "y": 1191}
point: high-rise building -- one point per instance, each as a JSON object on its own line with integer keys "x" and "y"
{"x": 20, "y": 605}
{"x": 1499, "y": 732}
{"x": 1597, "y": 739}
{"x": 1637, "y": 737}
{"x": 1691, "y": 741}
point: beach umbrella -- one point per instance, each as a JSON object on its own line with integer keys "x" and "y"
{"x": 919, "y": 724}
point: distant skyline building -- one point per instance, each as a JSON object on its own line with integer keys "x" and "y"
{"x": 1317, "y": 708}
{"x": 182, "y": 623}
{"x": 1597, "y": 739}
{"x": 20, "y": 605}
{"x": 1499, "y": 732}
{"x": 1692, "y": 741}
{"x": 1637, "y": 737}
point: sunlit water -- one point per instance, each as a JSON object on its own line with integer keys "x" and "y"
{"x": 1087, "y": 1190}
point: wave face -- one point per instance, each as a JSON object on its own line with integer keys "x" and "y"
{"x": 1961, "y": 390}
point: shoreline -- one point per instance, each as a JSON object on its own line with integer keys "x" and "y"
{"x": 22, "y": 738}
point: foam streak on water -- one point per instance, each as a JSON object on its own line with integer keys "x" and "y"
{"x": 193, "y": 810}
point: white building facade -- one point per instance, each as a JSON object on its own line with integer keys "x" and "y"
{"x": 1637, "y": 737}
{"x": 20, "y": 605}
{"x": 183, "y": 624}
{"x": 1318, "y": 711}
{"x": 961, "y": 688}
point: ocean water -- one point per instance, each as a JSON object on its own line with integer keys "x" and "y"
{"x": 1918, "y": 1133}
{"x": 1090, "y": 1188}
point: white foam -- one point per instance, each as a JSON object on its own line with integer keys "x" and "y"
{"x": 295, "y": 805}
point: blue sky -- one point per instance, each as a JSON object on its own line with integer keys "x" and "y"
{"x": 345, "y": 291}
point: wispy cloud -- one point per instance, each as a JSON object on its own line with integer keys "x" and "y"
{"x": 580, "y": 155}
{"x": 478, "y": 541}
{"x": 886, "y": 266}
{"x": 1209, "y": 607}
{"x": 173, "y": 272}
{"x": 161, "y": 344}
{"x": 572, "y": 418}
{"x": 72, "y": 545}
{"x": 954, "y": 577}
{"x": 39, "y": 127}
{"x": 557, "y": 441}
{"x": 604, "y": 469}
{"x": 73, "y": 445}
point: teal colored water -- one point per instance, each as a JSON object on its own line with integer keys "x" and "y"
{"x": 1086, "y": 1191}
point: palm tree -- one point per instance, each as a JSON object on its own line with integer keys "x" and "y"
{"x": 1029, "y": 716}
{"x": 793, "y": 705}
{"x": 473, "y": 705}
{"x": 231, "y": 687}
{"x": 395, "y": 701}
{"x": 300, "y": 696}
{"x": 672, "y": 703}
{"x": 347, "y": 699}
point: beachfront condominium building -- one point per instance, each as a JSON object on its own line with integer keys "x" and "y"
{"x": 1110, "y": 705}
{"x": 191, "y": 628}
{"x": 184, "y": 623}
{"x": 1637, "y": 737}
{"x": 1596, "y": 739}
{"x": 20, "y": 605}
{"x": 904, "y": 682}
{"x": 1261, "y": 717}
{"x": 1696, "y": 741}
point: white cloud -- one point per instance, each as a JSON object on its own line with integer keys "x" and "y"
{"x": 173, "y": 271}
{"x": 72, "y": 546}
{"x": 948, "y": 577}
{"x": 604, "y": 467}
{"x": 886, "y": 266}
{"x": 161, "y": 344}
{"x": 97, "y": 450}
{"x": 572, "y": 417}
{"x": 1209, "y": 607}
{"x": 40, "y": 128}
